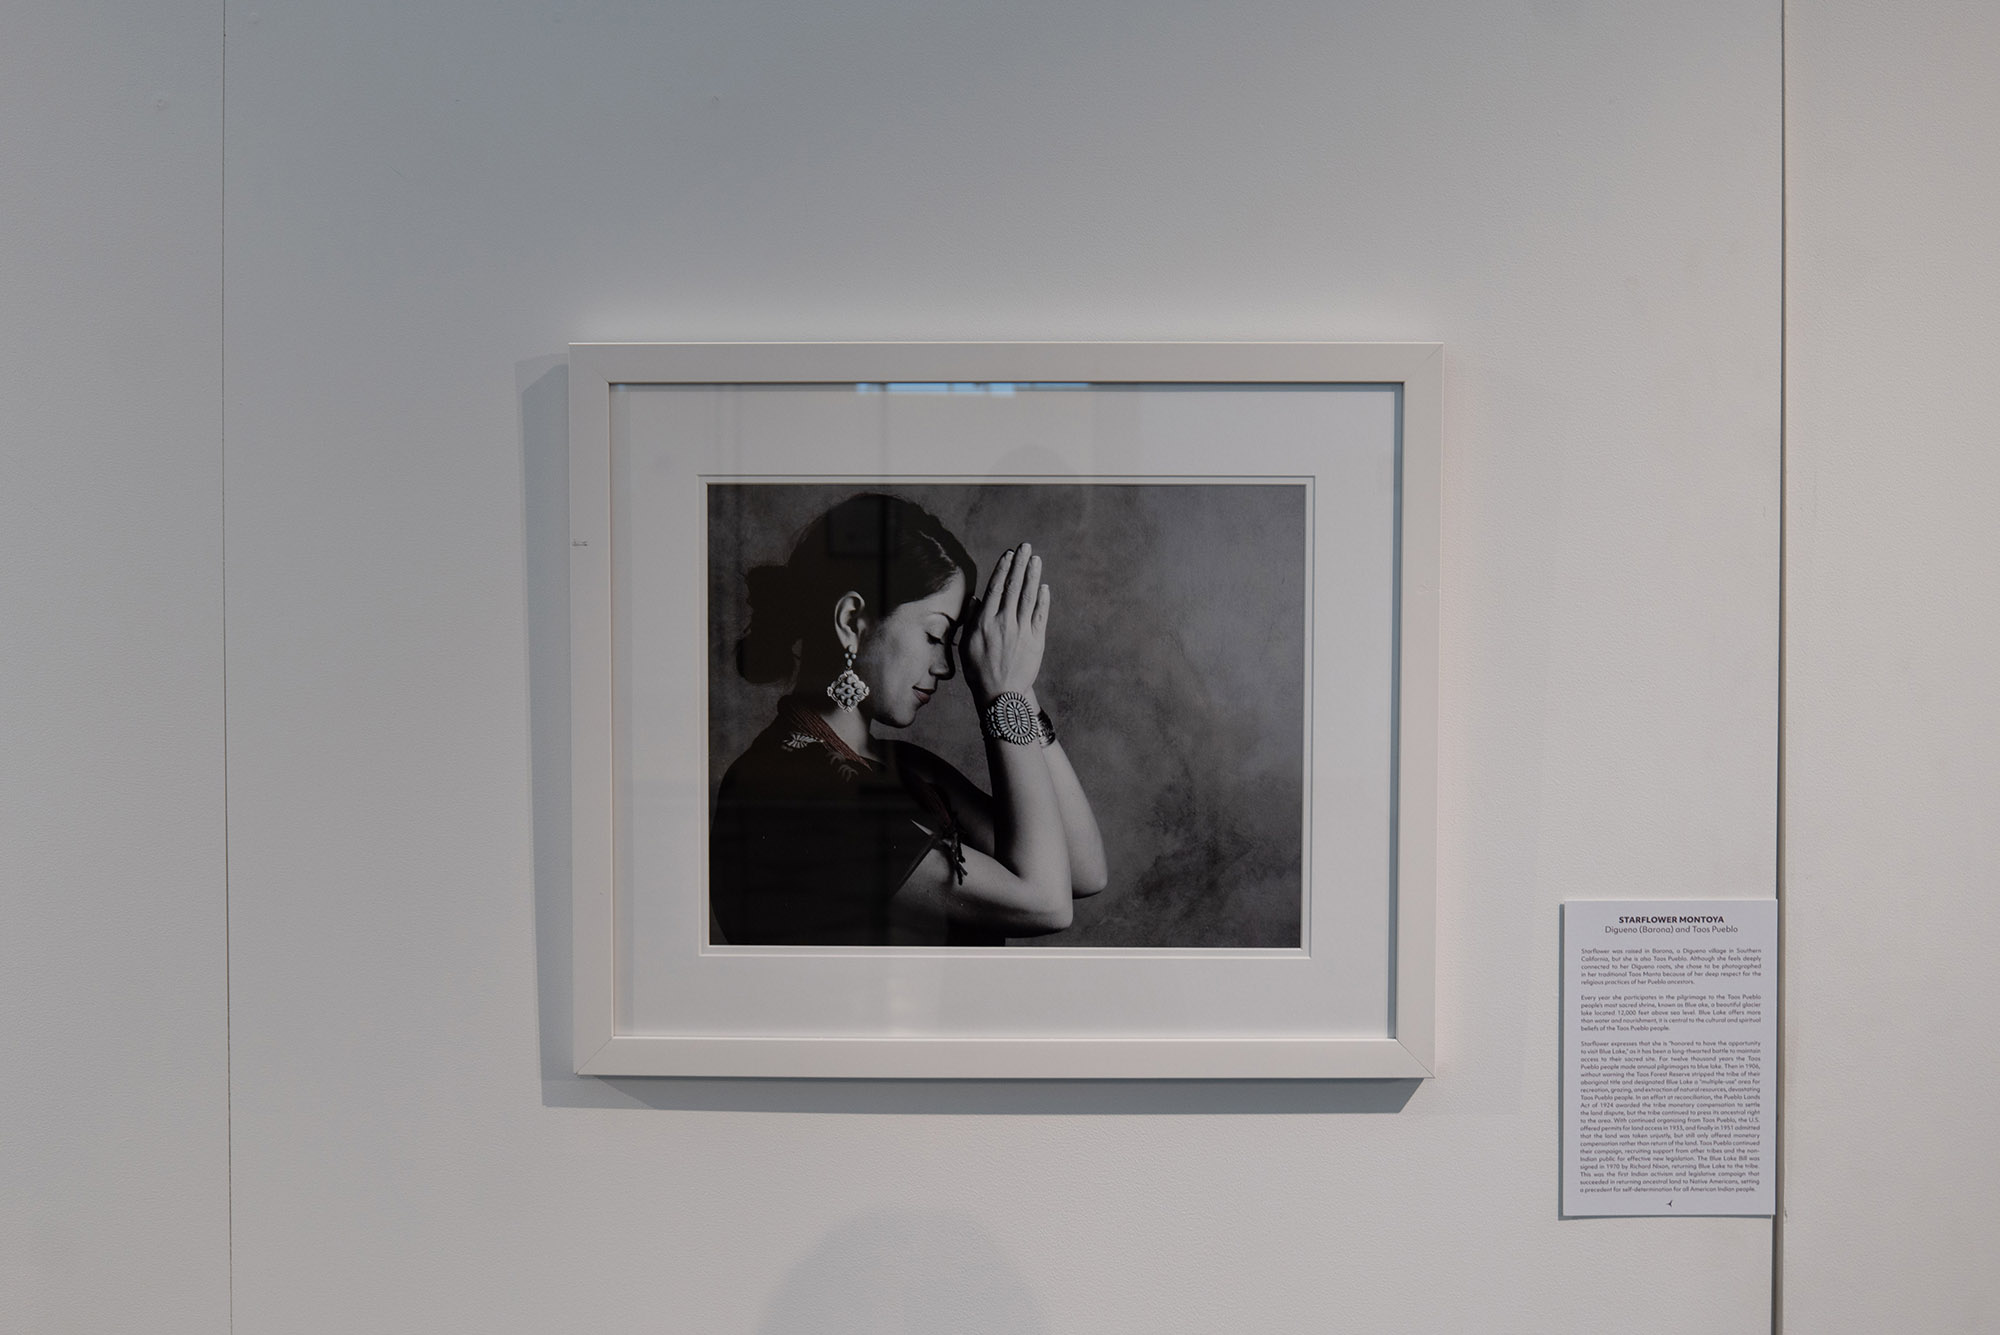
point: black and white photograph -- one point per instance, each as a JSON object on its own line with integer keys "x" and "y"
{"x": 1041, "y": 714}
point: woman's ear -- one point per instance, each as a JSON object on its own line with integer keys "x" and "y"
{"x": 850, "y": 621}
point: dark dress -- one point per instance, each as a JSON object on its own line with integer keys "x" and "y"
{"x": 811, "y": 841}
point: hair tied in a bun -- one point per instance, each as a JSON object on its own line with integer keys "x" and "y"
{"x": 767, "y": 650}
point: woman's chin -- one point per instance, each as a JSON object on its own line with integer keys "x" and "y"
{"x": 902, "y": 716}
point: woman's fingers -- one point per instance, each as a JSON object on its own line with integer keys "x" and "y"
{"x": 1010, "y": 597}
{"x": 996, "y": 584}
{"x": 1042, "y": 608}
{"x": 1031, "y": 580}
{"x": 1015, "y": 591}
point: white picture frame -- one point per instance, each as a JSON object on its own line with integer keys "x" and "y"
{"x": 1105, "y": 1042}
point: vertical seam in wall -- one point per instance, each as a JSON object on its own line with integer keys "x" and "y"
{"x": 222, "y": 486}
{"x": 1778, "y": 888}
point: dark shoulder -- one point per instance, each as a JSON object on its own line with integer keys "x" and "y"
{"x": 787, "y": 758}
{"x": 928, "y": 766}
{"x": 914, "y": 759}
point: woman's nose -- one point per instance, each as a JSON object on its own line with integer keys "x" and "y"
{"x": 950, "y": 665}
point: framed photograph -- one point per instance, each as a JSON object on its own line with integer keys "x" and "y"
{"x": 1020, "y": 710}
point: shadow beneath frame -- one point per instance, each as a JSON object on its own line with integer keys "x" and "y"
{"x": 543, "y": 387}
{"x": 1033, "y": 1098}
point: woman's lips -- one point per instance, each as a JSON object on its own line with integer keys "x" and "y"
{"x": 923, "y": 696}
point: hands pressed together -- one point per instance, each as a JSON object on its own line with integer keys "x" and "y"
{"x": 1003, "y": 641}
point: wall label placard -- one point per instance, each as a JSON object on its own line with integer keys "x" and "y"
{"x": 1669, "y": 1064}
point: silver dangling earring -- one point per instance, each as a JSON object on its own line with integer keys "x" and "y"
{"x": 847, "y": 690}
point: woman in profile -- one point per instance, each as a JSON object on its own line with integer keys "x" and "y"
{"x": 826, "y": 833}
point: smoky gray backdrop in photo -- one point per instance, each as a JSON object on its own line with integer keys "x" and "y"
{"x": 1175, "y": 673}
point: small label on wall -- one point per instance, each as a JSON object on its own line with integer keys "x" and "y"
{"x": 1669, "y": 1071}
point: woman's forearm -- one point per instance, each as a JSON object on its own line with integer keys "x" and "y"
{"x": 1088, "y": 872}
{"x": 1030, "y": 833}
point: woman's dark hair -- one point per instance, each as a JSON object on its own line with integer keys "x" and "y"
{"x": 888, "y": 550}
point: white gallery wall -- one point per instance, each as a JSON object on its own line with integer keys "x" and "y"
{"x": 425, "y": 202}
{"x": 1892, "y": 671}
{"x": 114, "y": 1185}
